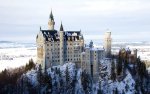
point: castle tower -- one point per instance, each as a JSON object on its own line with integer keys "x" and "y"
{"x": 107, "y": 44}
{"x": 61, "y": 37}
{"x": 51, "y": 22}
{"x": 91, "y": 44}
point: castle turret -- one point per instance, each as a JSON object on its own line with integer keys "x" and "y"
{"x": 135, "y": 53}
{"x": 91, "y": 44}
{"x": 61, "y": 37}
{"x": 51, "y": 22}
{"x": 107, "y": 44}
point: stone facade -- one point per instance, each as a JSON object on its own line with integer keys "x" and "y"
{"x": 58, "y": 47}
{"x": 90, "y": 60}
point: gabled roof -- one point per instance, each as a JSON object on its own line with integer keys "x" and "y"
{"x": 53, "y": 35}
{"x": 72, "y": 33}
{"x": 50, "y": 35}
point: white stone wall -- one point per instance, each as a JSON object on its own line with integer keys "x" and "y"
{"x": 107, "y": 44}
{"x": 88, "y": 60}
{"x": 40, "y": 49}
{"x": 51, "y": 24}
{"x": 61, "y": 47}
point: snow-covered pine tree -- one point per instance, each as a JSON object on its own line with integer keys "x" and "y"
{"x": 47, "y": 81}
{"x": 119, "y": 66}
{"x": 39, "y": 78}
{"x": 85, "y": 81}
{"x": 113, "y": 74}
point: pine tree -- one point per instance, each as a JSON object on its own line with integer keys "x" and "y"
{"x": 39, "y": 78}
{"x": 116, "y": 91}
{"x": 119, "y": 66}
{"x": 113, "y": 74}
{"x": 30, "y": 65}
{"x": 47, "y": 81}
{"x": 85, "y": 81}
{"x": 68, "y": 80}
{"x": 99, "y": 90}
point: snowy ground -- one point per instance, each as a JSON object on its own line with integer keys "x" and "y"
{"x": 13, "y": 55}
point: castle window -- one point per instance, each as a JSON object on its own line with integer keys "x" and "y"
{"x": 47, "y": 44}
{"x": 68, "y": 59}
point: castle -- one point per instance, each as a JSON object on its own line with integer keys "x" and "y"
{"x": 56, "y": 47}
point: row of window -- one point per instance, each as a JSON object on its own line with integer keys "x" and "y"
{"x": 69, "y": 48}
{"x": 77, "y": 59}
{"x": 66, "y": 60}
{"x": 57, "y": 44}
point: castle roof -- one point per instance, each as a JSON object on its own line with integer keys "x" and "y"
{"x": 50, "y": 35}
{"x": 53, "y": 35}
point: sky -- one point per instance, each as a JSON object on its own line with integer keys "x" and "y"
{"x": 128, "y": 20}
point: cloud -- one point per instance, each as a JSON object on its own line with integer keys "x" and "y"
{"x": 91, "y": 16}
{"x": 114, "y": 6}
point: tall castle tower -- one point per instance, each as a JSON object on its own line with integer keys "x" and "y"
{"x": 51, "y": 22}
{"x": 107, "y": 44}
{"x": 61, "y": 37}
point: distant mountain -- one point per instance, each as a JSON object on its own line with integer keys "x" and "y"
{"x": 14, "y": 44}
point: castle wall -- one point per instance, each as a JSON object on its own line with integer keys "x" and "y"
{"x": 107, "y": 44}
{"x": 90, "y": 60}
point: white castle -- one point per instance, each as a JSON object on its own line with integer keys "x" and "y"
{"x": 56, "y": 47}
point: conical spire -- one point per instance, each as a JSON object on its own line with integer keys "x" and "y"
{"x": 40, "y": 28}
{"x": 51, "y": 16}
{"x": 61, "y": 27}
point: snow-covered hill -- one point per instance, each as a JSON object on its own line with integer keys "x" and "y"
{"x": 126, "y": 86}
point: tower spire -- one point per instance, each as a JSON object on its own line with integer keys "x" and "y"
{"x": 40, "y": 28}
{"x": 51, "y": 16}
{"x": 61, "y": 27}
{"x": 51, "y": 21}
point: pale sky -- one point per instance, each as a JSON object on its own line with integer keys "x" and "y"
{"x": 20, "y": 20}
